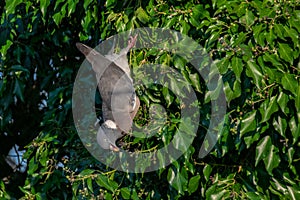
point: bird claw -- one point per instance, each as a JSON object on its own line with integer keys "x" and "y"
{"x": 97, "y": 121}
{"x": 132, "y": 41}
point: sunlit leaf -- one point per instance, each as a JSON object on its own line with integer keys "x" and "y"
{"x": 44, "y": 5}
{"x": 89, "y": 182}
{"x": 237, "y": 67}
{"x": 207, "y": 171}
{"x": 178, "y": 179}
{"x": 294, "y": 192}
{"x": 254, "y": 71}
{"x": 125, "y": 192}
{"x": 282, "y": 102}
{"x": 142, "y": 15}
{"x": 267, "y": 108}
{"x": 286, "y": 52}
{"x": 11, "y": 6}
{"x": 280, "y": 125}
{"x": 248, "y": 123}
{"x": 103, "y": 181}
{"x": 295, "y": 129}
{"x": 232, "y": 93}
{"x": 267, "y": 152}
{"x": 193, "y": 184}
{"x": 297, "y": 98}
{"x": 289, "y": 83}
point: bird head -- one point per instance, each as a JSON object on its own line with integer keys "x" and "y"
{"x": 107, "y": 135}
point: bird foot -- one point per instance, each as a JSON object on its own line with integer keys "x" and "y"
{"x": 132, "y": 41}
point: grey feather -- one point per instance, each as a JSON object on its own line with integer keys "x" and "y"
{"x": 119, "y": 101}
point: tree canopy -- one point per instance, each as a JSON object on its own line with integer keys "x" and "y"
{"x": 255, "y": 46}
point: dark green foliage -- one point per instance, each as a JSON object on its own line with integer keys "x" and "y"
{"x": 255, "y": 45}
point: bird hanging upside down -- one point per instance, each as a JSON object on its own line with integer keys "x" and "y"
{"x": 119, "y": 101}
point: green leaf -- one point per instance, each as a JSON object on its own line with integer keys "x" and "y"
{"x": 90, "y": 185}
{"x": 279, "y": 31}
{"x": 240, "y": 39}
{"x": 87, "y": 3}
{"x": 216, "y": 193}
{"x": 108, "y": 196}
{"x": 44, "y": 157}
{"x": 193, "y": 184}
{"x": 253, "y": 196}
{"x": 184, "y": 27}
{"x": 171, "y": 22}
{"x": 295, "y": 129}
{"x": 44, "y": 5}
{"x": 267, "y": 152}
{"x": 175, "y": 85}
{"x": 297, "y": 99}
{"x": 270, "y": 37}
{"x": 279, "y": 187}
{"x": 5, "y": 47}
{"x": 248, "y": 18}
{"x": 125, "y": 192}
{"x": 294, "y": 23}
{"x": 11, "y": 5}
{"x": 267, "y": 108}
{"x": 290, "y": 32}
{"x": 142, "y": 15}
{"x": 254, "y": 71}
{"x": 294, "y": 192}
{"x": 194, "y": 21}
{"x": 207, "y": 171}
{"x": 290, "y": 154}
{"x": 72, "y": 6}
{"x": 86, "y": 172}
{"x": 57, "y": 17}
{"x": 251, "y": 138}
{"x": 282, "y": 102}
{"x": 195, "y": 79}
{"x": 103, "y": 181}
{"x": 286, "y": 52}
{"x": 128, "y": 193}
{"x": 199, "y": 12}
{"x": 18, "y": 68}
{"x": 289, "y": 83}
{"x": 237, "y": 67}
{"x": 287, "y": 178}
{"x": 248, "y": 123}
{"x": 214, "y": 94}
{"x": 222, "y": 65}
{"x": 178, "y": 179}
{"x": 273, "y": 60}
{"x": 232, "y": 93}
{"x": 257, "y": 34}
{"x": 167, "y": 96}
{"x": 214, "y": 36}
{"x": 182, "y": 140}
{"x": 32, "y": 166}
{"x": 179, "y": 62}
{"x": 280, "y": 125}
{"x": 110, "y": 3}
{"x": 19, "y": 89}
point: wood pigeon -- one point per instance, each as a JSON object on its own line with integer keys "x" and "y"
{"x": 119, "y": 101}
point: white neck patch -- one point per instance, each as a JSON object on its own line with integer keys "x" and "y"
{"x": 110, "y": 124}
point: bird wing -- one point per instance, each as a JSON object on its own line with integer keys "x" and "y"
{"x": 118, "y": 96}
{"x": 99, "y": 62}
